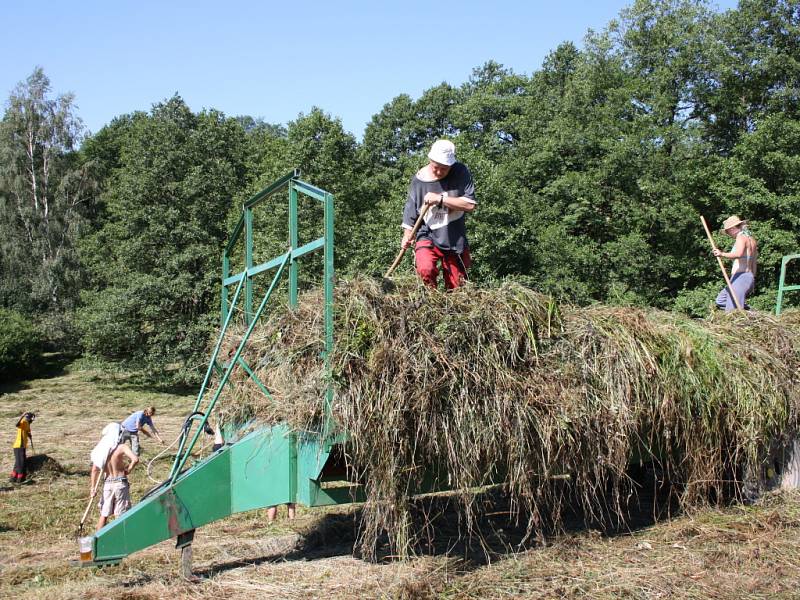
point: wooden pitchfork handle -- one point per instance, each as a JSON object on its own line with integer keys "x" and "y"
{"x": 417, "y": 225}
{"x": 721, "y": 266}
{"x": 89, "y": 506}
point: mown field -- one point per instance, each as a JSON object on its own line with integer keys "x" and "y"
{"x": 731, "y": 552}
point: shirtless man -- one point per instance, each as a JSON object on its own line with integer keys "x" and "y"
{"x": 745, "y": 257}
{"x": 116, "y": 489}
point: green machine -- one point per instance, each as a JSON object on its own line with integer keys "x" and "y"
{"x": 261, "y": 467}
{"x": 782, "y": 287}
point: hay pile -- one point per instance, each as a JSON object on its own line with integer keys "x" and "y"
{"x": 43, "y": 464}
{"x": 484, "y": 385}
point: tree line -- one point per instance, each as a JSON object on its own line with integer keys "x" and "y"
{"x": 591, "y": 174}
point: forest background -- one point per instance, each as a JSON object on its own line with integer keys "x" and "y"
{"x": 591, "y": 175}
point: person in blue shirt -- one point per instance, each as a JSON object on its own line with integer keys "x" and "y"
{"x": 134, "y": 424}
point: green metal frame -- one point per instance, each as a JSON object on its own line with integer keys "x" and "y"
{"x": 782, "y": 287}
{"x": 270, "y": 465}
{"x": 295, "y": 186}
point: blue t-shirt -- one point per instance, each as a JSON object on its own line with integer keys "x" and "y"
{"x": 135, "y": 421}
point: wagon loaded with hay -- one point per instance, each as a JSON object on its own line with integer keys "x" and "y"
{"x": 405, "y": 391}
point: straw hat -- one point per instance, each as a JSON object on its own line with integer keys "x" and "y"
{"x": 732, "y": 221}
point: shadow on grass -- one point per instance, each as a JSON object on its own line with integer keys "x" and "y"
{"x": 13, "y": 387}
{"x": 54, "y": 364}
{"x": 51, "y": 364}
{"x": 142, "y": 383}
{"x": 442, "y": 530}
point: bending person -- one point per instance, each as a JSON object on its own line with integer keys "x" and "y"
{"x": 745, "y": 257}
{"x": 115, "y": 460}
{"x": 110, "y": 438}
{"x": 135, "y": 424}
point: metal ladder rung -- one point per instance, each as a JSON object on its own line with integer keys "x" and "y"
{"x": 782, "y": 287}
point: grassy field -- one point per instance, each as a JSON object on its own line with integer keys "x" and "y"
{"x": 735, "y": 552}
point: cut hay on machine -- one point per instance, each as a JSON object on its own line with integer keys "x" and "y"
{"x": 348, "y": 393}
{"x": 484, "y": 386}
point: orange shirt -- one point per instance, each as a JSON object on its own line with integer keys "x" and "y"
{"x": 23, "y": 434}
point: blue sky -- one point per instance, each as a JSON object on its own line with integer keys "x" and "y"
{"x": 275, "y": 60}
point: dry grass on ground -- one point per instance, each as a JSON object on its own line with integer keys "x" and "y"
{"x": 737, "y": 552}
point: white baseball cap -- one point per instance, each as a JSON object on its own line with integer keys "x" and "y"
{"x": 443, "y": 152}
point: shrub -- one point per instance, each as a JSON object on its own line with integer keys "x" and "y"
{"x": 20, "y": 343}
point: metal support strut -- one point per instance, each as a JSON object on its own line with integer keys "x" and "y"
{"x": 782, "y": 287}
{"x": 184, "y": 544}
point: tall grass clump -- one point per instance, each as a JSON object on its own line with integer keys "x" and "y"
{"x": 482, "y": 386}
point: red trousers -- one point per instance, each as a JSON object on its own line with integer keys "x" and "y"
{"x": 454, "y": 266}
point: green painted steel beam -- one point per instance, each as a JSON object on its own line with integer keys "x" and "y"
{"x": 310, "y": 190}
{"x": 233, "y": 279}
{"x": 237, "y": 231}
{"x": 181, "y": 455}
{"x": 274, "y": 262}
{"x": 271, "y": 189}
{"x": 248, "y": 264}
{"x": 308, "y": 248}
{"x": 782, "y": 287}
{"x": 214, "y": 354}
{"x": 226, "y": 271}
{"x": 269, "y": 265}
{"x": 254, "y": 377}
{"x": 293, "y": 242}
{"x": 327, "y": 284}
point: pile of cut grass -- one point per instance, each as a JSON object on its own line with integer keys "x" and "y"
{"x": 501, "y": 385}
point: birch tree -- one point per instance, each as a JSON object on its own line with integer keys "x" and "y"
{"x": 44, "y": 191}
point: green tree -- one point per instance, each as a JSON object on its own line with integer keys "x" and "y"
{"x": 155, "y": 260}
{"x": 46, "y": 193}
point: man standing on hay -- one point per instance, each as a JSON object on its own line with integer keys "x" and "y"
{"x": 442, "y": 192}
{"x": 743, "y": 272}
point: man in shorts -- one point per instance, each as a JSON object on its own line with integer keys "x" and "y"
{"x": 116, "y": 489}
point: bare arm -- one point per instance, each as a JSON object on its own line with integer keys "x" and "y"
{"x": 94, "y": 476}
{"x": 461, "y": 203}
{"x": 406, "y": 241}
{"x": 155, "y": 432}
{"x": 739, "y": 249}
